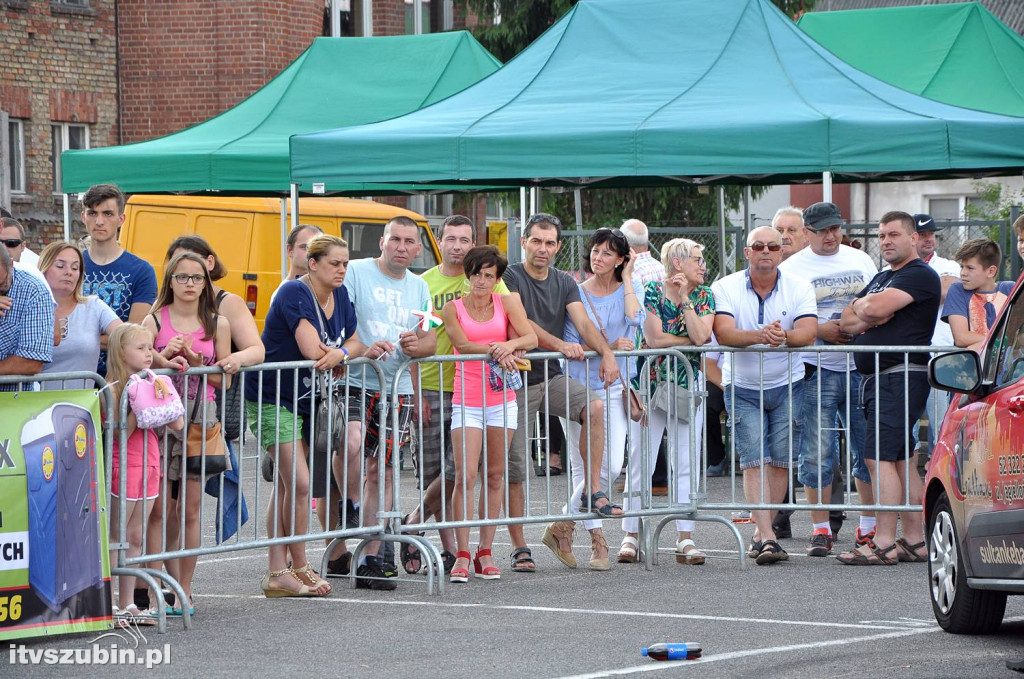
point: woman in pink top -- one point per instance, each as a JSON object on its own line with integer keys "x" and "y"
{"x": 189, "y": 333}
{"x": 479, "y": 324}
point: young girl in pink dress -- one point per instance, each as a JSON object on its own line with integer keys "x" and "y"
{"x": 129, "y": 351}
{"x": 479, "y": 324}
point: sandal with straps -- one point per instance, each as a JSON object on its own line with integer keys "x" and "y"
{"x": 629, "y": 550}
{"x": 870, "y": 556}
{"x": 460, "y": 574}
{"x": 278, "y": 592}
{"x": 606, "y": 510}
{"x": 410, "y": 554}
{"x": 522, "y": 561}
{"x": 307, "y": 576}
{"x": 908, "y": 553}
{"x": 598, "y": 542}
{"x": 771, "y": 552}
{"x": 688, "y": 554}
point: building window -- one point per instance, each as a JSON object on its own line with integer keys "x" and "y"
{"x": 16, "y": 154}
{"x": 66, "y": 136}
{"x": 945, "y": 208}
{"x": 72, "y": 3}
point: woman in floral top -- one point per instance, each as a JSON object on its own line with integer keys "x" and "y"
{"x": 680, "y": 312}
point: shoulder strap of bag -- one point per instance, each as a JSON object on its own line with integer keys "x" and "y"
{"x": 600, "y": 325}
{"x": 316, "y": 306}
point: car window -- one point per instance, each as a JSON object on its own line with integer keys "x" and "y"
{"x": 1004, "y": 359}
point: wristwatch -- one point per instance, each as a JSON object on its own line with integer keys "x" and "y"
{"x": 686, "y": 304}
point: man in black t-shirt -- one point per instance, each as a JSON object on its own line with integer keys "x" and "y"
{"x": 898, "y": 307}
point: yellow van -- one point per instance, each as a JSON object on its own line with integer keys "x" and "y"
{"x": 246, "y": 235}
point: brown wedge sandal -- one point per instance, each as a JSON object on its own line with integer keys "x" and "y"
{"x": 598, "y": 543}
{"x": 560, "y": 530}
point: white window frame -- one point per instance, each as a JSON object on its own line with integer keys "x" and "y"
{"x": 960, "y": 198}
{"x": 16, "y": 128}
{"x": 83, "y": 4}
{"x": 55, "y": 161}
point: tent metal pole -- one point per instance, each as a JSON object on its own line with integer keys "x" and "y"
{"x": 721, "y": 231}
{"x": 335, "y": 20}
{"x": 534, "y": 200}
{"x": 284, "y": 238}
{"x": 748, "y": 225}
{"x": 578, "y": 200}
{"x": 67, "y": 217}
{"x": 826, "y": 187}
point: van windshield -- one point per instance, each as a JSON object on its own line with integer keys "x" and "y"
{"x": 364, "y": 241}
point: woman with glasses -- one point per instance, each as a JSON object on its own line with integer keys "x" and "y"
{"x": 189, "y": 333}
{"x": 680, "y": 312}
{"x": 613, "y": 305}
{"x": 84, "y": 323}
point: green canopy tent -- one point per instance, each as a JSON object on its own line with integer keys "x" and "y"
{"x": 643, "y": 92}
{"x": 336, "y": 82}
{"x": 958, "y": 53}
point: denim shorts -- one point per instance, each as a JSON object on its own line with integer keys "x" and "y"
{"x": 820, "y": 443}
{"x": 766, "y": 433}
{"x": 896, "y": 406}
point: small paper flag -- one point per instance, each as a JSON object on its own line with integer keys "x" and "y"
{"x": 428, "y": 321}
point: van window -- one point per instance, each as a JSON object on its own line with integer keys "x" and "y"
{"x": 364, "y": 241}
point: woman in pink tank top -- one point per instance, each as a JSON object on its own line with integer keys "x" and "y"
{"x": 189, "y": 334}
{"x": 484, "y": 397}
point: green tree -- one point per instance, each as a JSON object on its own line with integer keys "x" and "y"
{"x": 522, "y": 21}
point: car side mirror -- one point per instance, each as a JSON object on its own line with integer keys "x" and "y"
{"x": 957, "y": 371}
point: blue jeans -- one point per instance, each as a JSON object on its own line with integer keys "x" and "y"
{"x": 821, "y": 415}
{"x": 763, "y": 437}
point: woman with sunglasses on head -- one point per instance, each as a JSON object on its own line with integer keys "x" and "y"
{"x": 680, "y": 312}
{"x": 84, "y": 323}
{"x": 615, "y": 308}
{"x": 189, "y": 333}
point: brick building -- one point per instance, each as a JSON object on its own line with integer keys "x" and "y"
{"x": 58, "y": 90}
{"x": 79, "y": 77}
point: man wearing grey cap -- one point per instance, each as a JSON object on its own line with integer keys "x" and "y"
{"x": 837, "y": 273}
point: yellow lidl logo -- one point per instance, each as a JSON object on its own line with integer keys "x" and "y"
{"x": 80, "y": 440}
{"x": 47, "y": 463}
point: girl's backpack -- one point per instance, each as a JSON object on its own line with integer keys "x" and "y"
{"x": 154, "y": 400}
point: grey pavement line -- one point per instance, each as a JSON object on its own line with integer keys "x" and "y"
{"x": 578, "y": 611}
{"x": 734, "y": 655}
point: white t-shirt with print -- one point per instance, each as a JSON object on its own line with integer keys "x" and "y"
{"x": 836, "y": 280}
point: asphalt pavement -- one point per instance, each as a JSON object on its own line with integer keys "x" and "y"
{"x": 806, "y": 617}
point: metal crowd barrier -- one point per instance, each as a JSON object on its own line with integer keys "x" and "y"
{"x": 164, "y": 547}
{"x": 853, "y": 404}
{"x": 554, "y": 493}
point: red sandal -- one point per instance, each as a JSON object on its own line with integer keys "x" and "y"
{"x": 460, "y": 574}
{"x": 489, "y": 573}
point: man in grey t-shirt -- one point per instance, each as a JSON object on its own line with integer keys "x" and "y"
{"x": 549, "y": 297}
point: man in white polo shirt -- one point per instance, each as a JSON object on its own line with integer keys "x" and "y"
{"x": 763, "y": 306}
{"x": 837, "y": 273}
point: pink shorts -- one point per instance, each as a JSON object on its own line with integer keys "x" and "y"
{"x": 143, "y": 478}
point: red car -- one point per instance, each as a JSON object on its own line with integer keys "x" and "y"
{"x": 974, "y": 489}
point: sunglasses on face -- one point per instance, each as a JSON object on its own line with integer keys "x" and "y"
{"x": 184, "y": 278}
{"x": 758, "y": 246}
{"x": 13, "y": 242}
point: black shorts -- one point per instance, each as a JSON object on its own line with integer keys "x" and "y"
{"x": 898, "y": 407}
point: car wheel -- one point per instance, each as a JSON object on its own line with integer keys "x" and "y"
{"x": 958, "y": 608}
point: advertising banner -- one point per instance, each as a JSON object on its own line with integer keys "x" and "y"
{"x": 54, "y": 566}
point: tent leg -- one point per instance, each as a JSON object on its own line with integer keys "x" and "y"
{"x": 284, "y": 238}
{"x": 748, "y": 225}
{"x": 578, "y": 200}
{"x": 721, "y": 231}
{"x": 826, "y": 187}
{"x": 67, "y": 217}
{"x": 534, "y": 200}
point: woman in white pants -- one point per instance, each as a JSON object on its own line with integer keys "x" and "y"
{"x": 679, "y": 312}
{"x": 613, "y": 306}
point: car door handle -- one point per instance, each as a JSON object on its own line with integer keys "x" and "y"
{"x": 1016, "y": 405}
